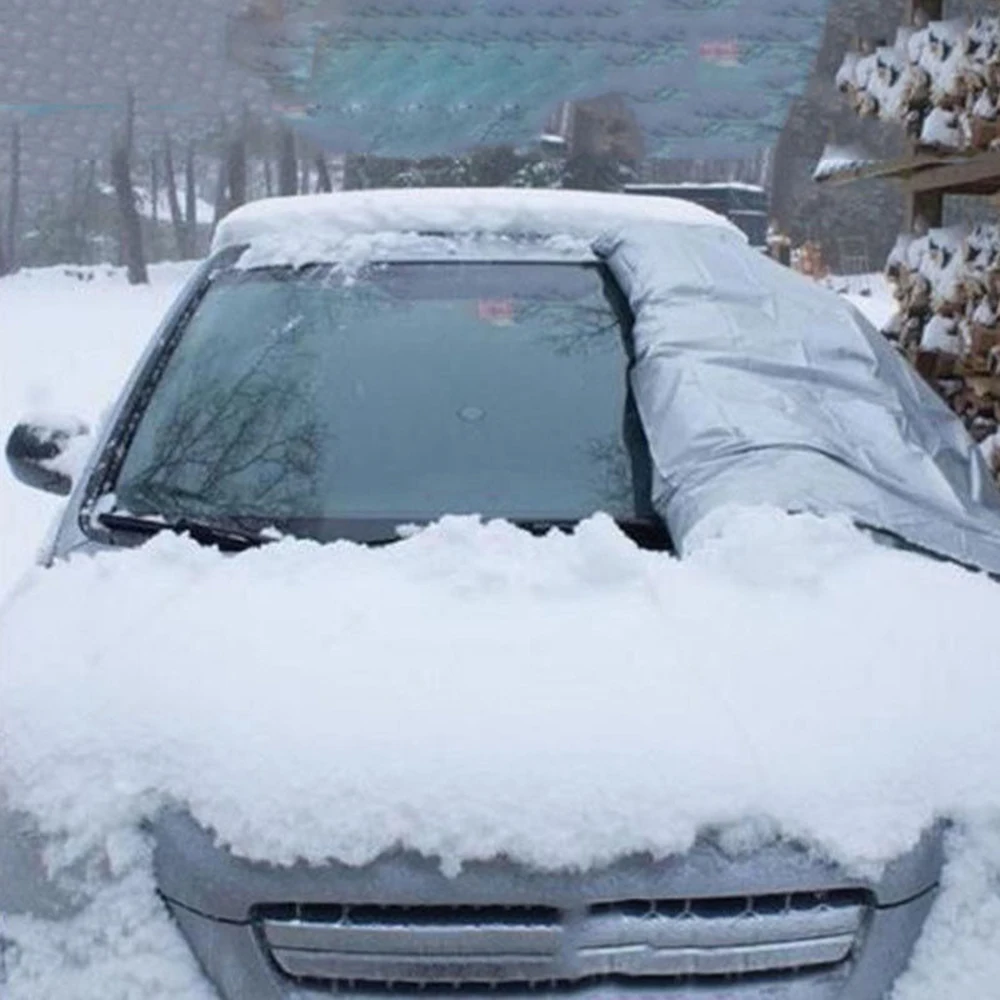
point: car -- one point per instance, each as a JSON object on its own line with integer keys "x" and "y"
{"x": 345, "y": 364}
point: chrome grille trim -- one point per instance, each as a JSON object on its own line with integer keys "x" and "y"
{"x": 494, "y": 946}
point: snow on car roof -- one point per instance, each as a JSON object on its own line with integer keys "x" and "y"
{"x": 286, "y": 225}
{"x": 697, "y": 186}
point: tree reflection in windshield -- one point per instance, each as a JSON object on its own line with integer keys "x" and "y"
{"x": 235, "y": 439}
{"x": 408, "y": 391}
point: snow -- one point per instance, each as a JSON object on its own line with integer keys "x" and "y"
{"x": 837, "y": 159}
{"x": 472, "y": 690}
{"x": 943, "y": 128}
{"x": 991, "y": 450}
{"x": 351, "y": 251}
{"x": 699, "y": 186}
{"x": 948, "y": 64}
{"x": 68, "y": 337}
{"x": 941, "y": 334}
{"x": 871, "y": 294}
{"x": 290, "y": 227}
{"x": 204, "y": 211}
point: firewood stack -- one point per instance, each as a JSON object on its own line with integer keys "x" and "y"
{"x": 947, "y": 285}
{"x": 942, "y": 82}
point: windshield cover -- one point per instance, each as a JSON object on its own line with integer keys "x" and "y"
{"x": 330, "y": 402}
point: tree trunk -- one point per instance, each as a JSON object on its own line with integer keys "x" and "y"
{"x": 74, "y": 216}
{"x": 3, "y": 256}
{"x": 268, "y": 177}
{"x": 14, "y": 200}
{"x": 288, "y": 179}
{"x": 176, "y": 220}
{"x": 221, "y": 189}
{"x": 236, "y": 173}
{"x": 87, "y": 210}
{"x": 323, "y": 180}
{"x": 121, "y": 177}
{"x": 190, "y": 203}
{"x": 304, "y": 178}
{"x": 154, "y": 189}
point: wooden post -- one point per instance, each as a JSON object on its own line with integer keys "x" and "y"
{"x": 933, "y": 10}
{"x": 924, "y": 205}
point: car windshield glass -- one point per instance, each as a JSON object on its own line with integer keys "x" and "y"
{"x": 403, "y": 393}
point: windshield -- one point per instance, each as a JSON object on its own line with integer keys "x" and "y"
{"x": 344, "y": 405}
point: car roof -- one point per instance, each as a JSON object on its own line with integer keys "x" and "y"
{"x": 301, "y": 226}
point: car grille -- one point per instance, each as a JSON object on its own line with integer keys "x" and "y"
{"x": 489, "y": 947}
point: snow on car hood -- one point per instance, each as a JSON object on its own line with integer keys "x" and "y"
{"x": 474, "y": 691}
{"x": 755, "y": 386}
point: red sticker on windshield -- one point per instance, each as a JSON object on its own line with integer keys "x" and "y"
{"x": 498, "y": 311}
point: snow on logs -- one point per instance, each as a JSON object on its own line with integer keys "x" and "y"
{"x": 947, "y": 285}
{"x": 942, "y": 82}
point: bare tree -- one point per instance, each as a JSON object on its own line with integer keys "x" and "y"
{"x": 176, "y": 219}
{"x": 190, "y": 202}
{"x": 221, "y": 191}
{"x": 323, "y": 180}
{"x": 236, "y": 169}
{"x": 121, "y": 177}
{"x": 88, "y": 209}
{"x": 154, "y": 188}
{"x": 9, "y": 239}
{"x": 288, "y": 179}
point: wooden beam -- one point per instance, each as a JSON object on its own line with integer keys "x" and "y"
{"x": 925, "y": 208}
{"x": 933, "y": 9}
{"x": 892, "y": 169}
{"x": 979, "y": 175}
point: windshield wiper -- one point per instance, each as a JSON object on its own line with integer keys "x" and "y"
{"x": 206, "y": 532}
{"x": 646, "y": 534}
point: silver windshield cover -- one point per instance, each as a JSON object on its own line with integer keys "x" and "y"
{"x": 756, "y": 386}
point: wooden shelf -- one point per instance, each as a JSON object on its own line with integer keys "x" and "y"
{"x": 926, "y": 177}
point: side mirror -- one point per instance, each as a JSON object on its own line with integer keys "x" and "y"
{"x": 45, "y": 454}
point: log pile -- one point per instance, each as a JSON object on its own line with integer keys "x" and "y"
{"x": 941, "y": 81}
{"x": 947, "y": 286}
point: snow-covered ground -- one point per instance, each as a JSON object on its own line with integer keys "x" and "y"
{"x": 68, "y": 336}
{"x": 413, "y": 664}
{"x": 871, "y": 293}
